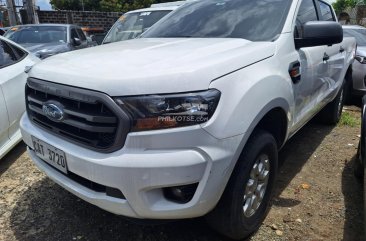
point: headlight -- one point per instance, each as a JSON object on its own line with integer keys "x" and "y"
{"x": 154, "y": 112}
{"x": 361, "y": 59}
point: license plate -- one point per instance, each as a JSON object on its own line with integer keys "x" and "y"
{"x": 50, "y": 154}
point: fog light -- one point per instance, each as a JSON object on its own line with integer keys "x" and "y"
{"x": 180, "y": 194}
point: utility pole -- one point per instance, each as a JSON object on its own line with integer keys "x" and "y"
{"x": 11, "y": 12}
{"x": 30, "y": 8}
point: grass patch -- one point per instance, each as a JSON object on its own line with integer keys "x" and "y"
{"x": 348, "y": 120}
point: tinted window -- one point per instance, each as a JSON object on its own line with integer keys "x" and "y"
{"x": 20, "y": 53}
{"x": 326, "y": 11}
{"x": 307, "y": 12}
{"x": 81, "y": 34}
{"x": 37, "y": 34}
{"x": 255, "y": 20}
{"x": 74, "y": 34}
{"x": 358, "y": 34}
{"x": 7, "y": 56}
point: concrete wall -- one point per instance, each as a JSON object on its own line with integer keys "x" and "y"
{"x": 103, "y": 20}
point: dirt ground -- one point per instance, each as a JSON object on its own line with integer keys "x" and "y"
{"x": 317, "y": 198}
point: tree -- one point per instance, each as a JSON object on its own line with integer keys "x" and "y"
{"x": 341, "y": 5}
{"x": 76, "y": 5}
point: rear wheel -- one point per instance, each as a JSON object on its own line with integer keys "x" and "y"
{"x": 331, "y": 114}
{"x": 245, "y": 202}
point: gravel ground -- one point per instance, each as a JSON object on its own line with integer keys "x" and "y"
{"x": 317, "y": 198}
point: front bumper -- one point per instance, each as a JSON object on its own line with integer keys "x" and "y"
{"x": 148, "y": 162}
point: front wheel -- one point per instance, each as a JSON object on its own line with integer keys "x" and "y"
{"x": 245, "y": 201}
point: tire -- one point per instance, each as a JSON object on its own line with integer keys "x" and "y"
{"x": 331, "y": 114}
{"x": 348, "y": 87}
{"x": 357, "y": 165}
{"x": 233, "y": 216}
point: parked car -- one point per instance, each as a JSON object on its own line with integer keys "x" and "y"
{"x": 13, "y": 60}
{"x": 360, "y": 162}
{"x": 3, "y": 30}
{"x": 357, "y": 87}
{"x": 132, "y": 24}
{"x": 187, "y": 120}
{"x": 45, "y": 40}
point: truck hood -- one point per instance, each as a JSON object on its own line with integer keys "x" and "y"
{"x": 151, "y": 66}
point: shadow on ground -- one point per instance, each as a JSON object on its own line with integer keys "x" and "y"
{"x": 11, "y": 157}
{"x": 295, "y": 154}
{"x": 353, "y": 199}
{"x": 47, "y": 212}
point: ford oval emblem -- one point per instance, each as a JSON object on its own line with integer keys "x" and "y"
{"x": 53, "y": 111}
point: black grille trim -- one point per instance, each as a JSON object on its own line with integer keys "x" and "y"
{"x": 93, "y": 120}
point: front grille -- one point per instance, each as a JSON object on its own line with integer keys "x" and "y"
{"x": 92, "y": 119}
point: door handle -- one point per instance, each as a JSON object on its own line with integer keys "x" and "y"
{"x": 341, "y": 50}
{"x": 326, "y": 57}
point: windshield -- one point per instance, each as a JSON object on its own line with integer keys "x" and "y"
{"x": 131, "y": 25}
{"x": 358, "y": 34}
{"x": 37, "y": 34}
{"x": 255, "y": 20}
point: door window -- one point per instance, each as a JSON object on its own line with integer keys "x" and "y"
{"x": 81, "y": 34}
{"x": 7, "y": 55}
{"x": 307, "y": 12}
{"x": 74, "y": 34}
{"x": 326, "y": 12}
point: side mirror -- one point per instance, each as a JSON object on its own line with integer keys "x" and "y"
{"x": 318, "y": 33}
{"x": 76, "y": 41}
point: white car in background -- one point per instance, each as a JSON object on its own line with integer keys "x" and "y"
{"x": 132, "y": 24}
{"x": 13, "y": 61}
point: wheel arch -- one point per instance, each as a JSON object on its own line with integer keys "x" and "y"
{"x": 272, "y": 118}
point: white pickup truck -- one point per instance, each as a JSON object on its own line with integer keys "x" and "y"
{"x": 187, "y": 120}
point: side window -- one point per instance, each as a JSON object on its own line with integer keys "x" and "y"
{"x": 326, "y": 12}
{"x": 7, "y": 56}
{"x": 74, "y": 34}
{"x": 81, "y": 34}
{"x": 20, "y": 53}
{"x": 307, "y": 12}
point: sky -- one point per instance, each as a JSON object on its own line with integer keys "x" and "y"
{"x": 44, "y": 4}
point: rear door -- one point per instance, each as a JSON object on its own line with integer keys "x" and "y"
{"x": 12, "y": 83}
{"x": 4, "y": 121}
{"x": 334, "y": 60}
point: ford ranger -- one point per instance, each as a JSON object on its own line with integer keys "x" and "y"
{"x": 187, "y": 120}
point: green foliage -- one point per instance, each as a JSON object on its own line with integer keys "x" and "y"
{"x": 348, "y": 120}
{"x": 76, "y": 5}
{"x": 341, "y": 5}
{"x": 104, "y": 5}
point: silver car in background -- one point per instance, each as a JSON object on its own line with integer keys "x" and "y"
{"x": 358, "y": 86}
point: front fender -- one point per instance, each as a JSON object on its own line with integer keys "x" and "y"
{"x": 247, "y": 95}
